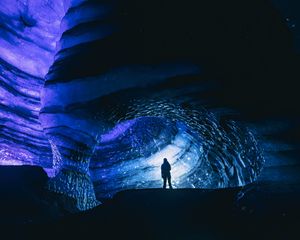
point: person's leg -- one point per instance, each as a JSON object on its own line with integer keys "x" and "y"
{"x": 165, "y": 182}
{"x": 169, "y": 182}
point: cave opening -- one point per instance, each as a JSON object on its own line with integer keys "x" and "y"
{"x": 129, "y": 156}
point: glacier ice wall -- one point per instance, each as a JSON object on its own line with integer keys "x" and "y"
{"x": 29, "y": 31}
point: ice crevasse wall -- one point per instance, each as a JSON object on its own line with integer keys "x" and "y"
{"x": 79, "y": 100}
{"x": 30, "y": 35}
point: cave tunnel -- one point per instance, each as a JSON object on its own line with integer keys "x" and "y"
{"x": 97, "y": 93}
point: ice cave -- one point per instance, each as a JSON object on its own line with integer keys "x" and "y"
{"x": 97, "y": 93}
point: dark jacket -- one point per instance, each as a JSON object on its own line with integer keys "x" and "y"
{"x": 165, "y": 170}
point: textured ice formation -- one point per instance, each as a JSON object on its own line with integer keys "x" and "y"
{"x": 29, "y": 31}
{"x": 203, "y": 152}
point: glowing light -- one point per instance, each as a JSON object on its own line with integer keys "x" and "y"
{"x": 201, "y": 153}
{"x": 174, "y": 152}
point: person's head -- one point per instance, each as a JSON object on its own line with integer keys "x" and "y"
{"x": 165, "y": 160}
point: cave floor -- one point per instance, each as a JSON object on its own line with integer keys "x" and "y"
{"x": 262, "y": 210}
{"x": 177, "y": 214}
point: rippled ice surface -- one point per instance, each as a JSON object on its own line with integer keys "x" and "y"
{"x": 204, "y": 152}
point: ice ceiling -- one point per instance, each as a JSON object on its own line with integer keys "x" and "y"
{"x": 91, "y": 94}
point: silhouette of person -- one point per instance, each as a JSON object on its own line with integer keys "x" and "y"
{"x": 165, "y": 173}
